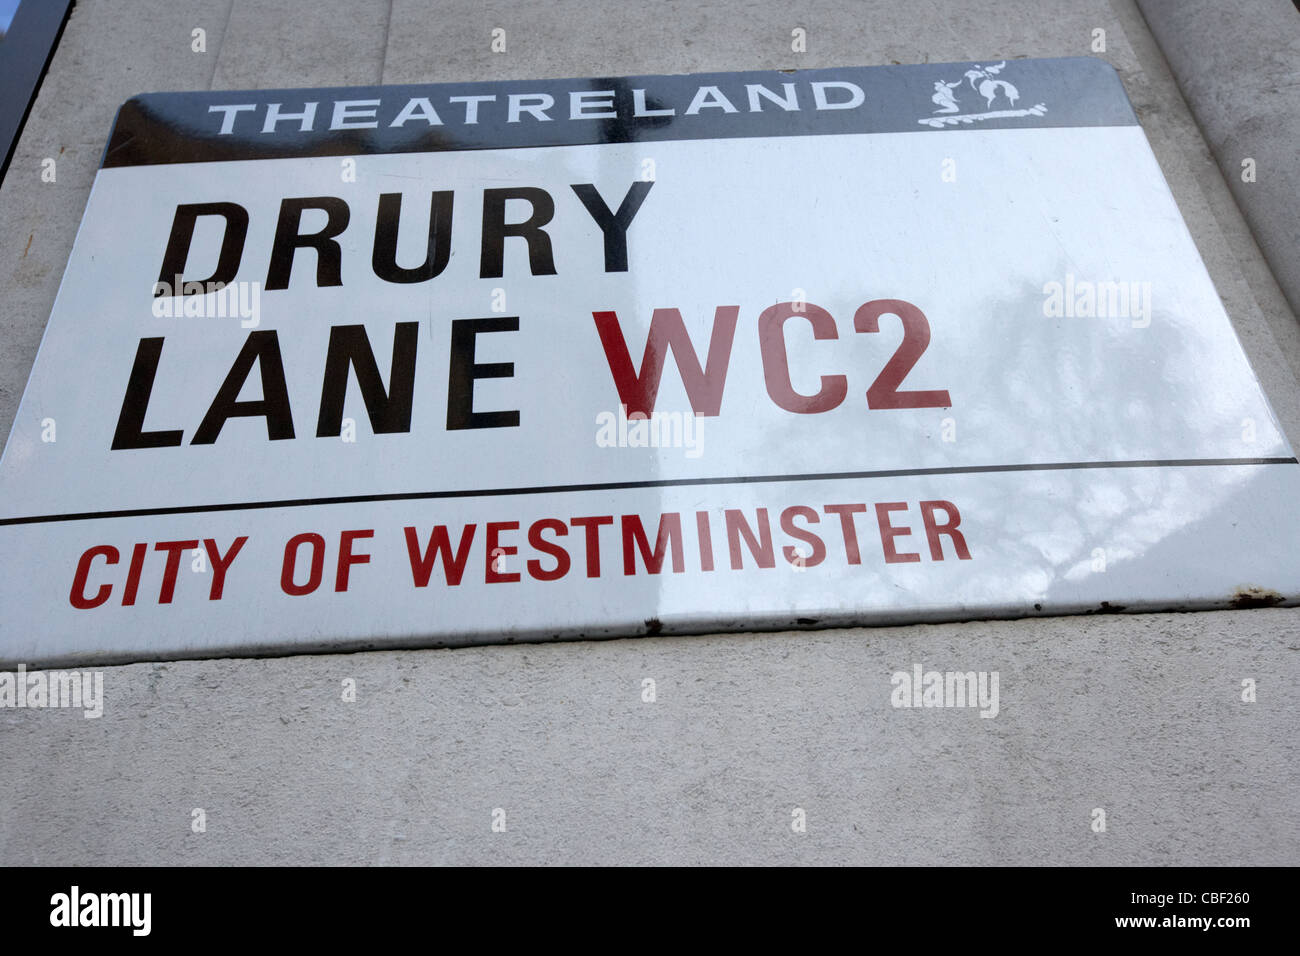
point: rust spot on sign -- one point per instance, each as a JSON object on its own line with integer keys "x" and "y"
{"x": 1245, "y": 597}
{"x": 1107, "y": 608}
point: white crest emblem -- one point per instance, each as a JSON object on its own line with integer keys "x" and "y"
{"x": 984, "y": 82}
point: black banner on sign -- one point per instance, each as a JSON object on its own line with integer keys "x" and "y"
{"x": 278, "y": 124}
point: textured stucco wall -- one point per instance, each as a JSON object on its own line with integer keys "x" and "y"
{"x": 1140, "y": 715}
{"x": 1239, "y": 67}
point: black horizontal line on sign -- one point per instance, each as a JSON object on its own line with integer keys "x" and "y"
{"x": 628, "y": 485}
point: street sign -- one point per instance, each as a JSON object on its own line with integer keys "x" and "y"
{"x": 459, "y": 364}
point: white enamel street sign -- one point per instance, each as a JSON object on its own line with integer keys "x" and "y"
{"x": 456, "y": 364}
